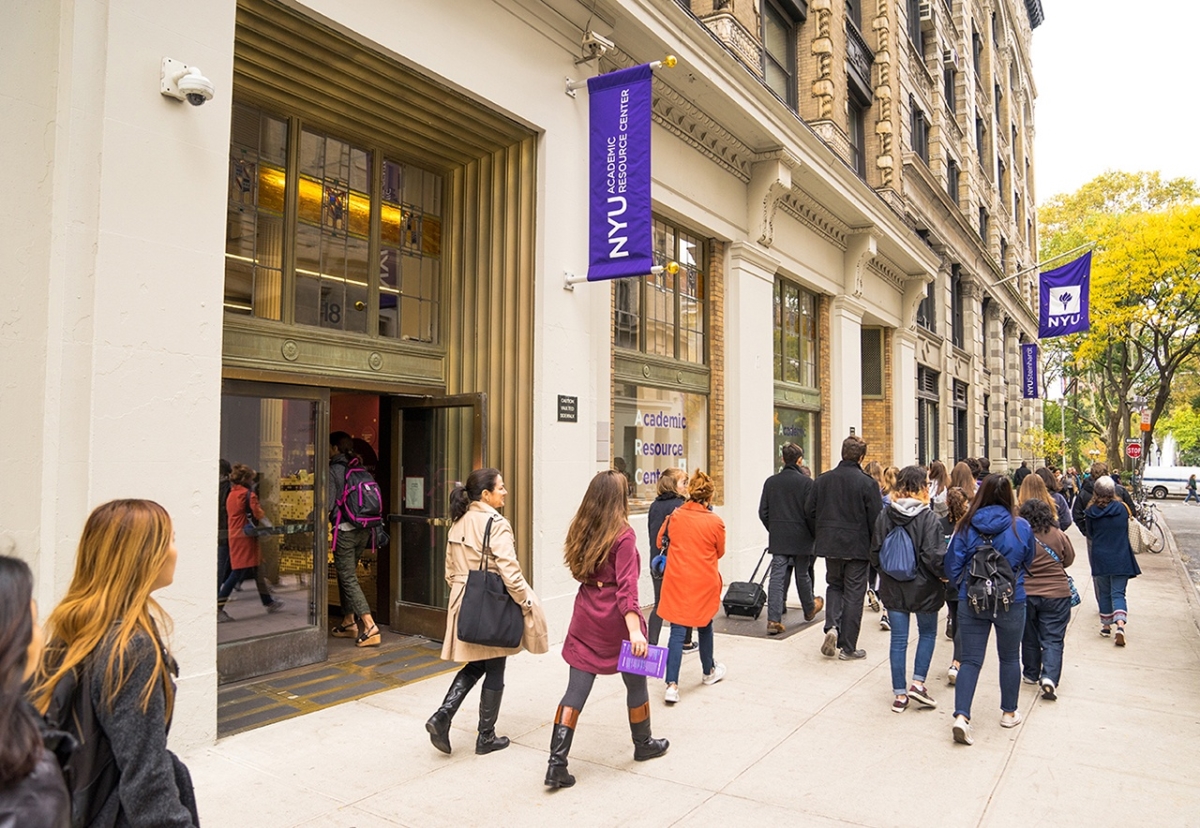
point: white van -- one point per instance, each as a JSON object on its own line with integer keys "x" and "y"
{"x": 1161, "y": 481}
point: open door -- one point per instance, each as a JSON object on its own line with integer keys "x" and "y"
{"x": 438, "y": 442}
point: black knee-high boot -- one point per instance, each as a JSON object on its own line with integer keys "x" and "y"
{"x": 438, "y": 725}
{"x": 644, "y": 746}
{"x": 560, "y": 745}
{"x": 489, "y": 711}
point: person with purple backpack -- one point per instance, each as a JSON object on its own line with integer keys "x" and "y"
{"x": 350, "y": 540}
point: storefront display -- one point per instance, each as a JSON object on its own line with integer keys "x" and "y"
{"x": 656, "y": 429}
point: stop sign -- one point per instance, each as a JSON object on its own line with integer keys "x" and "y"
{"x": 1133, "y": 450}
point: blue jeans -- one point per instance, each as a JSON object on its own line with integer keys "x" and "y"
{"x": 675, "y": 650}
{"x": 1042, "y": 647}
{"x": 975, "y": 630}
{"x": 1110, "y": 595}
{"x": 926, "y": 637}
{"x": 1191, "y": 495}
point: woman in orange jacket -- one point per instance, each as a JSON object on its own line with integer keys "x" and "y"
{"x": 691, "y": 588}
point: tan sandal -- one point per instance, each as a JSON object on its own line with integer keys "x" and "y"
{"x": 345, "y": 630}
{"x": 369, "y": 638}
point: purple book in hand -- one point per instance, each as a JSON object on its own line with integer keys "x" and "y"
{"x": 653, "y": 665}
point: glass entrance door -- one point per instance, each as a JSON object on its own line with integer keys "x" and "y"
{"x": 439, "y": 441}
{"x": 270, "y": 576}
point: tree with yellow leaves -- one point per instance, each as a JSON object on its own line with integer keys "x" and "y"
{"x": 1145, "y": 294}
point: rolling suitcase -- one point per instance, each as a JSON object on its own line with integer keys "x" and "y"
{"x": 747, "y": 597}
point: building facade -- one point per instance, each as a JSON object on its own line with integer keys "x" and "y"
{"x": 371, "y": 228}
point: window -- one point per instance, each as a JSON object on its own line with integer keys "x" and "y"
{"x": 987, "y": 426}
{"x": 1017, "y": 210}
{"x": 854, "y": 12}
{"x": 914, "y": 25}
{"x": 919, "y": 125}
{"x": 927, "y": 414}
{"x": 983, "y": 224}
{"x": 952, "y": 179}
{"x": 795, "y": 334}
{"x": 802, "y": 428}
{"x": 959, "y": 406}
{"x": 857, "y": 117}
{"x": 957, "y": 331}
{"x": 997, "y": 95}
{"x": 927, "y": 310}
{"x": 779, "y": 52}
{"x": 332, "y": 280}
{"x": 980, "y": 135}
{"x": 976, "y": 51}
{"x": 1003, "y": 254}
{"x": 949, "y": 77}
{"x": 995, "y": 30}
{"x": 872, "y": 362}
{"x": 655, "y": 429}
{"x": 664, "y": 314}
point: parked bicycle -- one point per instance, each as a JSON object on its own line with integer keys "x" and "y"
{"x": 1146, "y": 513}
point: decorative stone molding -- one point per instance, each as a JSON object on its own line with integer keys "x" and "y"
{"x": 770, "y": 181}
{"x": 883, "y": 267}
{"x": 805, "y": 209}
{"x": 679, "y": 116}
{"x": 833, "y": 135}
{"x": 730, "y": 31}
{"x": 885, "y": 160}
{"x": 822, "y": 50}
{"x": 914, "y": 293}
{"x": 860, "y": 247}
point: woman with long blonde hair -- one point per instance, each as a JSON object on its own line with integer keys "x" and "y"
{"x": 106, "y": 660}
{"x": 691, "y": 591}
{"x": 962, "y": 477}
{"x": 939, "y": 484}
{"x": 601, "y": 553}
{"x": 1033, "y": 487}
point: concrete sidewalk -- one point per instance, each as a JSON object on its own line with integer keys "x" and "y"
{"x": 789, "y": 738}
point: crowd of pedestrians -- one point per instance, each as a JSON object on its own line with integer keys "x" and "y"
{"x": 84, "y": 718}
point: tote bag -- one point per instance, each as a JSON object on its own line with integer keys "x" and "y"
{"x": 488, "y": 615}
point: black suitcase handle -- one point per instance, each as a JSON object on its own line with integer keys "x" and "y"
{"x": 754, "y": 574}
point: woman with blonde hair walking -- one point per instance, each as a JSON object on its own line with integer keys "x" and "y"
{"x": 478, "y": 531}
{"x": 106, "y": 661}
{"x": 691, "y": 590}
{"x": 962, "y": 477}
{"x": 601, "y": 552}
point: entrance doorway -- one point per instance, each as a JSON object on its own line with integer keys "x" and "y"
{"x": 417, "y": 447}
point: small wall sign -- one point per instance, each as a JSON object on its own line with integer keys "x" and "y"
{"x": 568, "y": 409}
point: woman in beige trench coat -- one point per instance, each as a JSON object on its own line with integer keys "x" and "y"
{"x": 472, "y": 506}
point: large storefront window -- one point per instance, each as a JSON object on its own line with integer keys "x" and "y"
{"x": 663, "y": 314}
{"x": 347, "y": 205}
{"x": 795, "y": 322}
{"x": 655, "y": 429}
{"x": 800, "y": 427}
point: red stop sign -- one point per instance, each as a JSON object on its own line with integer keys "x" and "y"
{"x": 1133, "y": 450}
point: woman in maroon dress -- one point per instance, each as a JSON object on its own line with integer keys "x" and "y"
{"x": 601, "y": 553}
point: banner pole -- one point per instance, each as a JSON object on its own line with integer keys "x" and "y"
{"x": 1038, "y": 265}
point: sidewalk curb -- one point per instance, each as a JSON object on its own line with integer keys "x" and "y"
{"x": 1189, "y": 587}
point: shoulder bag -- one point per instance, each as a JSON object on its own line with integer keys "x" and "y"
{"x": 658, "y": 564}
{"x": 1138, "y": 540}
{"x": 250, "y": 527}
{"x": 488, "y": 615}
{"x": 1075, "y": 599}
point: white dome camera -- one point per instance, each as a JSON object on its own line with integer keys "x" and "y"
{"x": 185, "y": 83}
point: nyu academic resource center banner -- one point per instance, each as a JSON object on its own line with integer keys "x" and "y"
{"x": 1064, "y": 294}
{"x": 621, "y": 229}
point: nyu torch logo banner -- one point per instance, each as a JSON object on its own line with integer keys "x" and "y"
{"x": 1064, "y": 295}
{"x": 621, "y": 230}
{"x": 1029, "y": 371}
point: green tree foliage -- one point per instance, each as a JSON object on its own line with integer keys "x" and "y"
{"x": 1183, "y": 423}
{"x": 1145, "y": 296}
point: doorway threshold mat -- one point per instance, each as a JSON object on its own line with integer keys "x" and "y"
{"x": 350, "y": 673}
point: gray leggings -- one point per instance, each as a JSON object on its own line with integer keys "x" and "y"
{"x": 579, "y": 686}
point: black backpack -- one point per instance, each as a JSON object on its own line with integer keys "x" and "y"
{"x": 89, "y": 767}
{"x": 991, "y": 584}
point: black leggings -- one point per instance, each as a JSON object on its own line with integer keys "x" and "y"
{"x": 579, "y": 686}
{"x": 493, "y": 667}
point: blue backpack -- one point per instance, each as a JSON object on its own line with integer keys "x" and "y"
{"x": 898, "y": 557}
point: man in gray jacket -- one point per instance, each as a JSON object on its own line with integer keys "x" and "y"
{"x": 782, "y": 512}
{"x": 843, "y": 506}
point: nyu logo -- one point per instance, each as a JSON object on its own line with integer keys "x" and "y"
{"x": 1064, "y": 300}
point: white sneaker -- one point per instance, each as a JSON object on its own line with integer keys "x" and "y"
{"x": 951, "y": 675}
{"x": 1048, "y": 689}
{"x": 718, "y": 673}
{"x": 829, "y": 645}
{"x": 1010, "y": 720}
{"x": 962, "y": 731}
{"x": 672, "y": 694}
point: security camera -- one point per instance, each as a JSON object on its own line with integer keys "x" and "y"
{"x": 596, "y": 45}
{"x": 185, "y": 83}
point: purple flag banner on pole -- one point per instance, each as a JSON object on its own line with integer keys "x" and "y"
{"x": 1065, "y": 298}
{"x": 621, "y": 229}
{"x": 1029, "y": 369}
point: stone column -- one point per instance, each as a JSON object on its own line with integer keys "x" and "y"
{"x": 1012, "y": 394}
{"x": 904, "y": 397}
{"x": 973, "y": 345}
{"x": 994, "y": 348}
{"x": 749, "y": 386}
{"x": 845, "y": 366}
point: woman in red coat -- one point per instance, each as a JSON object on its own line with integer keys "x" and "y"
{"x": 601, "y": 553}
{"x": 243, "y": 549}
{"x": 691, "y": 590}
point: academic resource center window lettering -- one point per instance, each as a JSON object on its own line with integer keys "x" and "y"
{"x": 363, "y": 239}
{"x": 661, "y": 334}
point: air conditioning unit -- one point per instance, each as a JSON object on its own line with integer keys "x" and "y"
{"x": 951, "y": 58}
{"x": 925, "y": 12}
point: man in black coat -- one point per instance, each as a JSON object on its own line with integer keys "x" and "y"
{"x": 843, "y": 506}
{"x": 782, "y": 512}
{"x": 1020, "y": 474}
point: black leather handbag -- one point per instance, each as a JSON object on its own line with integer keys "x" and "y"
{"x": 488, "y": 615}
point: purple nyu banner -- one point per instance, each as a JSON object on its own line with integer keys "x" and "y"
{"x": 621, "y": 230}
{"x": 1029, "y": 369}
{"x": 1064, "y": 298}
